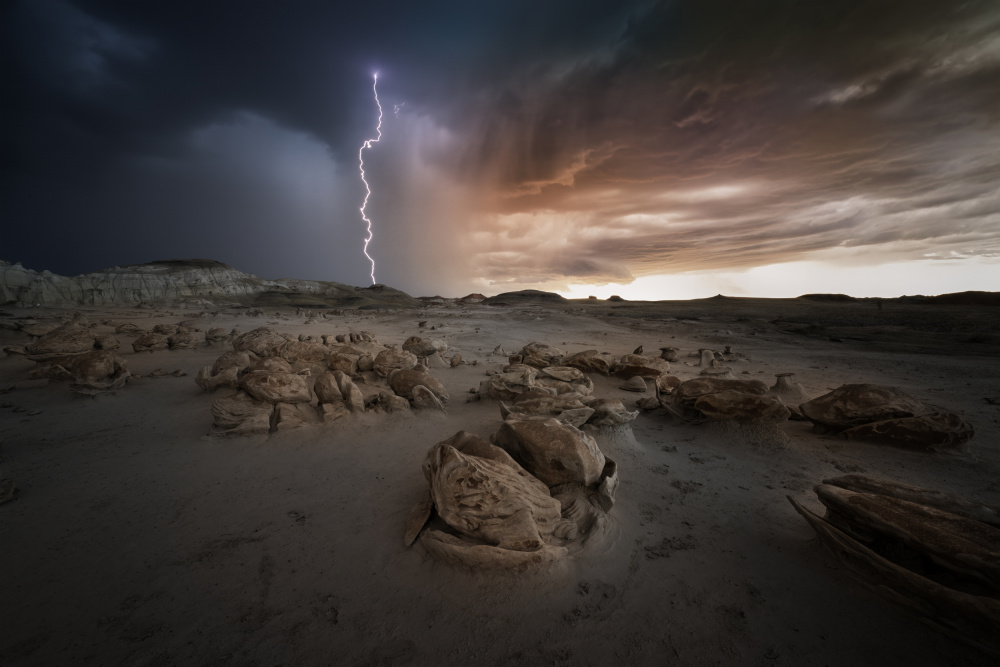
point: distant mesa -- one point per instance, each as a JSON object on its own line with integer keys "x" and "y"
{"x": 827, "y": 297}
{"x": 472, "y": 298}
{"x": 186, "y": 283}
{"x": 972, "y": 298}
{"x": 615, "y": 297}
{"x": 524, "y": 296}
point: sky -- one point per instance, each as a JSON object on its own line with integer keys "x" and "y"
{"x": 654, "y": 150}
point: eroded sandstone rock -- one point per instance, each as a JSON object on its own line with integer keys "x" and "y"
{"x": 276, "y": 387}
{"x": 540, "y": 355}
{"x": 931, "y": 431}
{"x": 150, "y": 343}
{"x": 241, "y": 414}
{"x": 590, "y": 361}
{"x": 403, "y": 382}
{"x": 857, "y": 404}
{"x": 261, "y": 341}
{"x": 554, "y": 452}
{"x": 390, "y": 360}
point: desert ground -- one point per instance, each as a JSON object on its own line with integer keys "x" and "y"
{"x": 139, "y": 537}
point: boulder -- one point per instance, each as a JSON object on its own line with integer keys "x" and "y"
{"x": 930, "y": 431}
{"x": 271, "y": 364}
{"x": 239, "y": 360}
{"x": 857, "y": 404}
{"x": 403, "y": 382}
{"x": 390, "y": 360}
{"x": 97, "y": 372}
{"x": 327, "y": 389}
{"x": 165, "y": 329}
{"x": 129, "y": 328}
{"x": 509, "y": 385}
{"x": 743, "y": 406}
{"x": 229, "y": 377}
{"x": 666, "y": 384}
{"x": 70, "y": 338}
{"x": 590, "y": 361}
{"x": 182, "y": 340}
{"x": 564, "y": 380}
{"x": 492, "y": 502}
{"x": 566, "y": 408}
{"x": 456, "y": 360}
{"x": 353, "y": 398}
{"x": 107, "y": 343}
{"x": 424, "y": 399}
{"x": 276, "y": 387}
{"x": 552, "y": 451}
{"x": 637, "y": 365}
{"x": 294, "y": 415}
{"x": 261, "y": 341}
{"x": 609, "y": 412}
{"x": 345, "y": 363}
{"x": 540, "y": 355}
{"x": 424, "y": 347}
{"x": 688, "y": 392}
{"x": 635, "y": 383}
{"x": 389, "y": 402}
{"x": 303, "y": 352}
{"x": 216, "y": 335}
{"x": 241, "y": 414}
{"x": 150, "y": 343}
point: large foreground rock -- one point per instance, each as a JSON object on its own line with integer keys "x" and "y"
{"x": 590, "y": 361}
{"x": 540, "y": 355}
{"x": 490, "y": 512}
{"x": 71, "y": 338}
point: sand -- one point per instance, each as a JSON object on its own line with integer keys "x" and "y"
{"x": 139, "y": 539}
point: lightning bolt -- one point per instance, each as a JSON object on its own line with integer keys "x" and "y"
{"x": 361, "y": 161}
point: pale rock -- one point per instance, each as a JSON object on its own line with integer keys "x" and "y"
{"x": 456, "y": 360}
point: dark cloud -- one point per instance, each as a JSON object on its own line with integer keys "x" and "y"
{"x": 525, "y": 143}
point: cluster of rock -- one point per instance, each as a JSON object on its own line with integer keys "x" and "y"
{"x": 886, "y": 414}
{"x": 936, "y": 553}
{"x": 71, "y": 352}
{"x": 282, "y": 382}
{"x": 538, "y": 491}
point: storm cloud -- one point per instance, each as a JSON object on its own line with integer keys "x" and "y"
{"x": 525, "y": 144}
